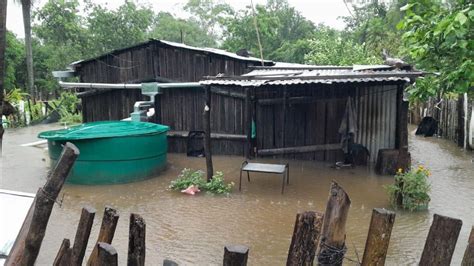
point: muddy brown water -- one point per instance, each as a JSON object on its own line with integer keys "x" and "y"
{"x": 193, "y": 230}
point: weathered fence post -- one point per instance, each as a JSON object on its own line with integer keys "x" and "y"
{"x": 207, "y": 132}
{"x": 441, "y": 241}
{"x": 305, "y": 238}
{"x": 64, "y": 254}
{"x": 468, "y": 258}
{"x": 332, "y": 246}
{"x": 106, "y": 233}
{"x": 248, "y": 123}
{"x": 136, "y": 241}
{"x": 168, "y": 262}
{"x": 27, "y": 245}
{"x": 378, "y": 237}
{"x": 235, "y": 255}
{"x": 82, "y": 235}
{"x": 106, "y": 255}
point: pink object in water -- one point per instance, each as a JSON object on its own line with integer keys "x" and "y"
{"x": 191, "y": 190}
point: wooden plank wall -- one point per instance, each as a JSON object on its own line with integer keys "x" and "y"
{"x": 318, "y": 122}
{"x": 181, "y": 109}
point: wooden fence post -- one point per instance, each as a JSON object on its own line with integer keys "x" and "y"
{"x": 248, "y": 122}
{"x": 305, "y": 238}
{"x": 468, "y": 258}
{"x": 168, "y": 262}
{"x": 64, "y": 254}
{"x": 82, "y": 235}
{"x": 378, "y": 237}
{"x": 106, "y": 233}
{"x": 106, "y": 255}
{"x": 28, "y": 243}
{"x": 332, "y": 246}
{"x": 441, "y": 241}
{"x": 136, "y": 241}
{"x": 235, "y": 255}
{"x": 207, "y": 132}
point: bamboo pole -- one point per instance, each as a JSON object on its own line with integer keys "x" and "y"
{"x": 378, "y": 237}
{"x": 235, "y": 255}
{"x": 82, "y": 235}
{"x": 441, "y": 241}
{"x": 106, "y": 233}
{"x": 136, "y": 241}
{"x": 305, "y": 238}
{"x": 28, "y": 243}
{"x": 332, "y": 245}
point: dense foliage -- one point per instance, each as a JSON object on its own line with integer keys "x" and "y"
{"x": 413, "y": 188}
{"x": 188, "y": 177}
{"x": 439, "y": 37}
{"x": 434, "y": 35}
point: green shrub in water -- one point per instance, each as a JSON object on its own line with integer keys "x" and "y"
{"x": 189, "y": 177}
{"x": 412, "y": 187}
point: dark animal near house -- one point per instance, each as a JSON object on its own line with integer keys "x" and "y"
{"x": 359, "y": 154}
{"x": 427, "y": 127}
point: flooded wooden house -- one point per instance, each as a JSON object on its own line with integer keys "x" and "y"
{"x": 286, "y": 110}
{"x": 297, "y": 111}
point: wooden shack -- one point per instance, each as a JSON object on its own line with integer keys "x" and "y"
{"x": 164, "y": 61}
{"x": 296, "y": 111}
{"x": 284, "y": 110}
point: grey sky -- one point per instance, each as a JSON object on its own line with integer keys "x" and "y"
{"x": 318, "y": 11}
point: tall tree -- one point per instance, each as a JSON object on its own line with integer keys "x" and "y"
{"x": 26, "y": 9}
{"x": 280, "y": 26}
{"x": 3, "y": 42}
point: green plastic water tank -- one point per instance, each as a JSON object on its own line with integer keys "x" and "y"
{"x": 112, "y": 151}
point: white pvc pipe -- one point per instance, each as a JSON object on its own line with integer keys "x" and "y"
{"x": 99, "y": 85}
{"x": 125, "y": 85}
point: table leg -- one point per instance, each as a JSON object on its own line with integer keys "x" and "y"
{"x": 248, "y": 176}
{"x": 240, "y": 180}
{"x": 287, "y": 174}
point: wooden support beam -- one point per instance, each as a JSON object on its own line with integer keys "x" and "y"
{"x": 468, "y": 258}
{"x": 332, "y": 246}
{"x": 378, "y": 237}
{"x": 82, "y": 235}
{"x": 63, "y": 257}
{"x": 283, "y": 119}
{"x": 228, "y": 93}
{"x": 441, "y": 241}
{"x": 106, "y": 255}
{"x": 157, "y": 105}
{"x": 217, "y": 136}
{"x": 305, "y": 238}
{"x": 235, "y": 255}
{"x": 207, "y": 130}
{"x": 248, "y": 122}
{"x": 136, "y": 241}
{"x": 106, "y": 233}
{"x": 299, "y": 149}
{"x": 28, "y": 243}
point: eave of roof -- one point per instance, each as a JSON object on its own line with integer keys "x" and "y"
{"x": 204, "y": 50}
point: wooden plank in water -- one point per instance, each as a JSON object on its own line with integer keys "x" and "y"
{"x": 301, "y": 149}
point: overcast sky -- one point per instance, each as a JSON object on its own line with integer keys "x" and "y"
{"x": 318, "y": 11}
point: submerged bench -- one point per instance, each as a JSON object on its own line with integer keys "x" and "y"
{"x": 283, "y": 169}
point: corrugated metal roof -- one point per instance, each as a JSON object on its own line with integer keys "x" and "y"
{"x": 313, "y": 74}
{"x": 182, "y": 46}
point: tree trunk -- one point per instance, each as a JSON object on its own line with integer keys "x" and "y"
{"x": 26, "y": 8}
{"x": 207, "y": 135}
{"x": 3, "y": 44}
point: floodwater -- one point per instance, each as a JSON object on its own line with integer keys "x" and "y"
{"x": 192, "y": 230}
